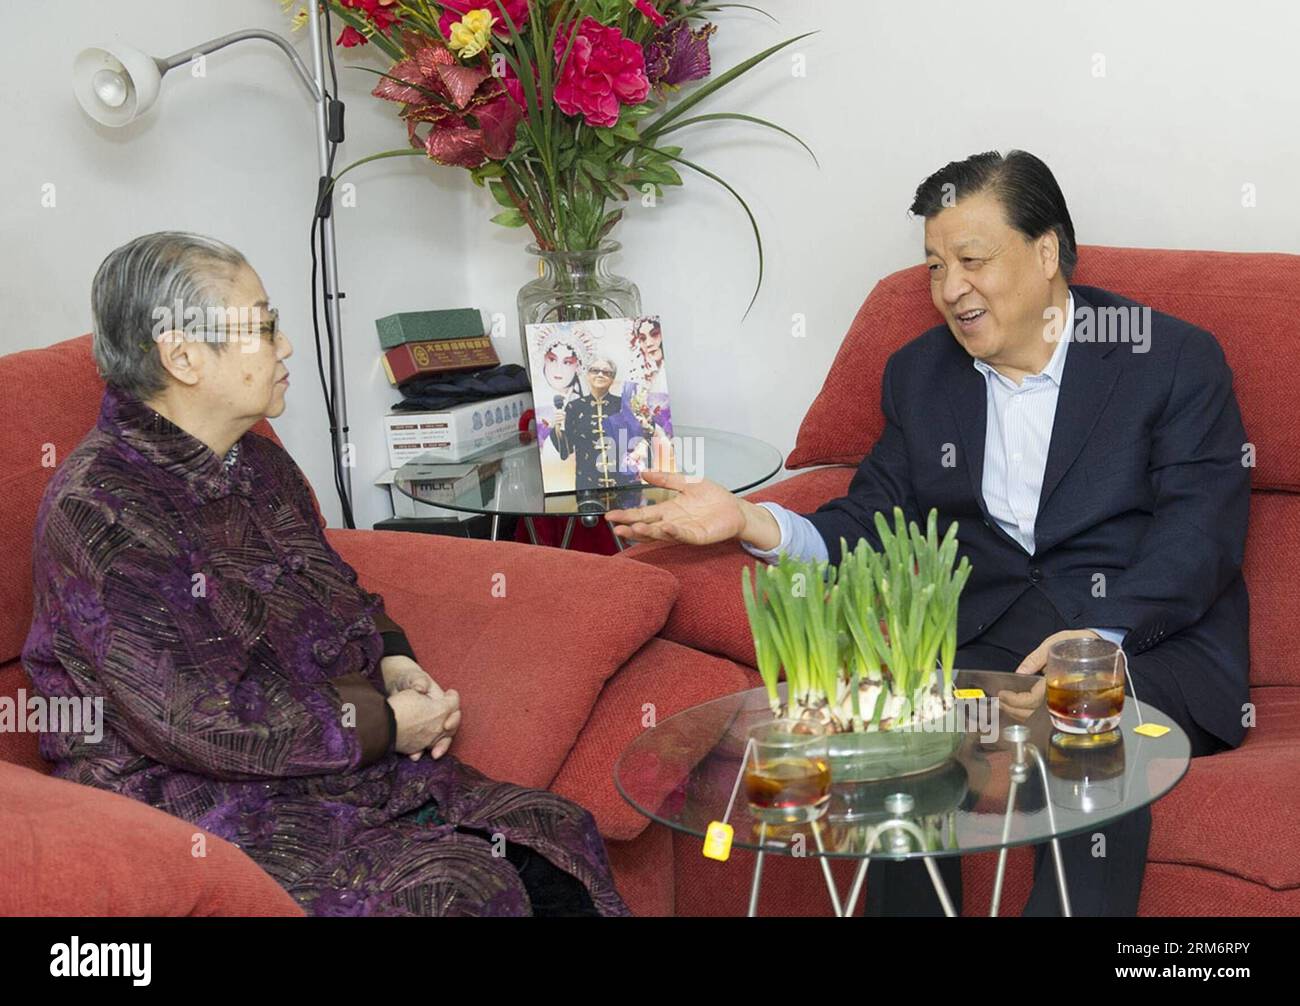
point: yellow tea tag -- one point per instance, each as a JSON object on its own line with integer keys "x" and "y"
{"x": 968, "y": 693}
{"x": 717, "y": 841}
{"x": 1151, "y": 730}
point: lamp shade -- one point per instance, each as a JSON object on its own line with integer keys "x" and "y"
{"x": 115, "y": 83}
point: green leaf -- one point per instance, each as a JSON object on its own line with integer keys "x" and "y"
{"x": 595, "y": 168}
{"x": 509, "y": 218}
{"x": 715, "y": 116}
{"x": 500, "y": 194}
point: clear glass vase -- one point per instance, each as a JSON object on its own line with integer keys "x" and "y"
{"x": 575, "y": 286}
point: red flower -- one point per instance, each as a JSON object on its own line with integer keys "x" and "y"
{"x": 457, "y": 9}
{"x": 604, "y": 69}
{"x": 647, "y": 8}
{"x": 472, "y": 119}
{"x": 350, "y": 37}
{"x": 374, "y": 12}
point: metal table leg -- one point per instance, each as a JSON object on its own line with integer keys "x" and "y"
{"x": 1019, "y": 736}
{"x": 496, "y": 526}
{"x": 568, "y": 532}
{"x": 532, "y": 531}
{"x": 758, "y": 870}
{"x": 826, "y": 872}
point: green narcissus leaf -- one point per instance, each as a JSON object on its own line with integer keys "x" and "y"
{"x": 509, "y": 218}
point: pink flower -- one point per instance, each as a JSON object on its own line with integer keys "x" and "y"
{"x": 604, "y": 69}
{"x": 457, "y": 9}
{"x": 647, "y": 8}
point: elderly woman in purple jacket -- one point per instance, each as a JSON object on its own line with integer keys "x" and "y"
{"x": 250, "y": 685}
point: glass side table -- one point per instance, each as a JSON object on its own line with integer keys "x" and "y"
{"x": 1006, "y": 786}
{"x": 506, "y": 480}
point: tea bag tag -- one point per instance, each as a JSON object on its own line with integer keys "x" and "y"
{"x": 718, "y": 836}
{"x": 1151, "y": 730}
{"x": 968, "y": 693}
{"x": 717, "y": 841}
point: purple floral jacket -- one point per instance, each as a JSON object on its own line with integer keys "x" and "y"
{"x": 238, "y": 662}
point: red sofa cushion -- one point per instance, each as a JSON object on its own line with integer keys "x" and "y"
{"x": 73, "y": 850}
{"x": 585, "y": 613}
{"x": 1249, "y": 301}
{"x": 1255, "y": 787}
{"x": 661, "y": 679}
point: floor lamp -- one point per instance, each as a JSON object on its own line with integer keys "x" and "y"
{"x": 116, "y": 84}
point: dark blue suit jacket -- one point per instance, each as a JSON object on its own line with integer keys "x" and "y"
{"x": 1145, "y": 484}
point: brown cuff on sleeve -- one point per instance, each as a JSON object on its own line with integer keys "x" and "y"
{"x": 385, "y": 624}
{"x": 373, "y": 725}
{"x": 395, "y": 641}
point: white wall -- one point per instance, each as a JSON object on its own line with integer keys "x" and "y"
{"x": 232, "y": 155}
{"x": 1198, "y": 99}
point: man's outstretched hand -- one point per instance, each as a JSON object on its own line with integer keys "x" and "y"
{"x": 701, "y": 513}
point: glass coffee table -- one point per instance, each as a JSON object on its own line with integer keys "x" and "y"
{"x": 1006, "y": 786}
{"x": 506, "y": 480}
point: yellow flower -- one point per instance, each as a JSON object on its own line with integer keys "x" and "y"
{"x": 471, "y": 34}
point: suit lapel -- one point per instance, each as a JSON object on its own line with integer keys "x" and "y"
{"x": 1091, "y": 368}
{"x": 967, "y": 396}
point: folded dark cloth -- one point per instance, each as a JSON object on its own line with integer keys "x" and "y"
{"x": 429, "y": 393}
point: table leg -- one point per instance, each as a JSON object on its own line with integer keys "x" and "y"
{"x": 940, "y": 888}
{"x": 496, "y": 526}
{"x": 1001, "y": 873}
{"x": 826, "y": 871}
{"x": 855, "y": 891}
{"x": 568, "y": 532}
{"x": 758, "y": 870}
{"x": 532, "y": 531}
{"x": 619, "y": 543}
{"x": 1061, "y": 888}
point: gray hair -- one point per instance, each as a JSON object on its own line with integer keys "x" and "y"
{"x": 143, "y": 281}
{"x": 604, "y": 359}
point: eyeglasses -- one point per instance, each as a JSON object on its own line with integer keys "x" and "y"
{"x": 268, "y": 329}
{"x": 601, "y": 370}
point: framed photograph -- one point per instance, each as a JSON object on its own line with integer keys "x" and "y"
{"x": 600, "y": 391}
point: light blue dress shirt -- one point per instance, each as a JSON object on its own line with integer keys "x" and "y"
{"x": 1017, "y": 435}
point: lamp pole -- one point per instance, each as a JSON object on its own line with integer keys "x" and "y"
{"x": 338, "y": 385}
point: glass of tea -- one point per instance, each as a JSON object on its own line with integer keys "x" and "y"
{"x": 1085, "y": 691}
{"x": 787, "y": 772}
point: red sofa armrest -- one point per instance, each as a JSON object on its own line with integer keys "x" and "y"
{"x": 67, "y": 849}
{"x": 527, "y": 635}
{"x": 710, "y": 613}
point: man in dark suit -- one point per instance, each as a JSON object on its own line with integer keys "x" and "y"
{"x": 1092, "y": 451}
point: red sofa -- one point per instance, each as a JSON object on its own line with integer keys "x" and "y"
{"x": 554, "y": 718}
{"x": 1226, "y": 840}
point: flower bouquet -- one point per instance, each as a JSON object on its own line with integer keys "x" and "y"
{"x": 562, "y": 109}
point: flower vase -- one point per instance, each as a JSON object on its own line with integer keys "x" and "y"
{"x": 575, "y": 286}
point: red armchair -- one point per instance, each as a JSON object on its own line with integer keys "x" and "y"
{"x": 1224, "y": 841}
{"x": 555, "y": 719}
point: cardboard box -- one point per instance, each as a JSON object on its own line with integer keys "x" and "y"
{"x": 434, "y": 484}
{"x": 456, "y": 433}
{"x": 426, "y": 326}
{"x": 410, "y": 361}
